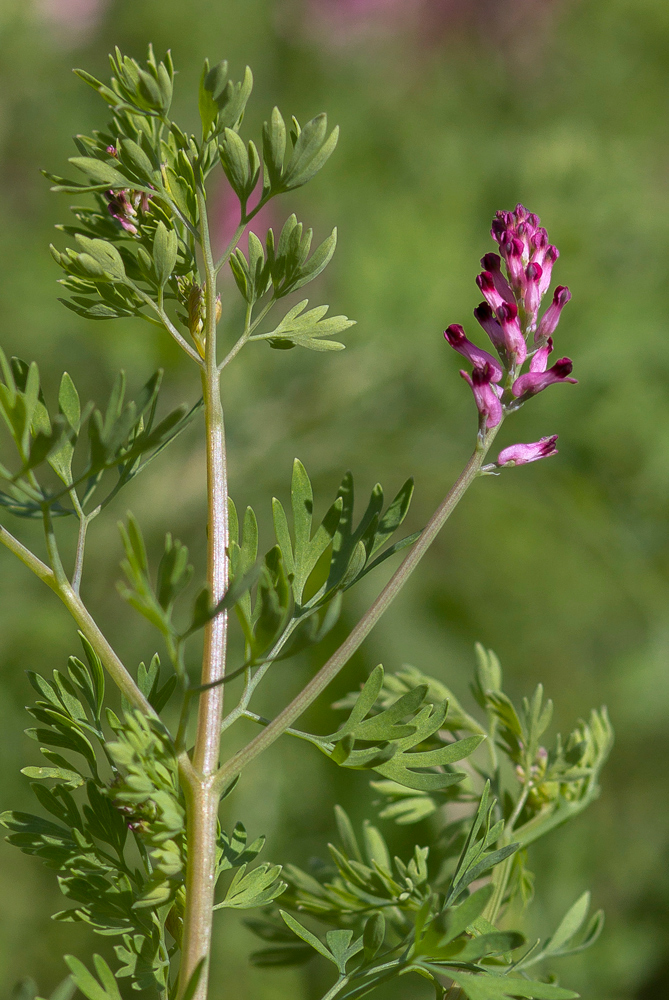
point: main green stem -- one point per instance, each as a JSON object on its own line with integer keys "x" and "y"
{"x": 329, "y": 671}
{"x": 199, "y": 774}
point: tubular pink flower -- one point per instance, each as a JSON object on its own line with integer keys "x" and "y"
{"x": 507, "y": 315}
{"x": 488, "y": 285}
{"x": 456, "y": 337}
{"x": 538, "y": 246}
{"x": 492, "y": 262}
{"x": 551, "y": 255}
{"x": 551, "y": 317}
{"x": 487, "y": 401}
{"x": 534, "y": 382}
{"x": 539, "y": 360}
{"x": 521, "y": 454}
{"x": 485, "y": 316}
{"x": 532, "y": 296}
{"x": 512, "y": 250}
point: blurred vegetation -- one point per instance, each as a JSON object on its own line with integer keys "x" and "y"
{"x": 448, "y": 111}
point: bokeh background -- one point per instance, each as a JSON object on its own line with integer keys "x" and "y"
{"x": 449, "y": 110}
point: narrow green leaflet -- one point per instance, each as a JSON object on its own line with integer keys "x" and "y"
{"x": 104, "y": 989}
{"x": 306, "y": 329}
{"x": 489, "y": 987}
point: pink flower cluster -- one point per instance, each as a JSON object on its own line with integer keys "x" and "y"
{"x": 509, "y": 315}
{"x": 123, "y": 205}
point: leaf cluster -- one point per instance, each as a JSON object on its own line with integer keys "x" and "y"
{"x": 79, "y": 443}
{"x": 392, "y": 918}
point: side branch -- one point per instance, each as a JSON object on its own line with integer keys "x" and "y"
{"x": 109, "y": 659}
{"x": 330, "y": 669}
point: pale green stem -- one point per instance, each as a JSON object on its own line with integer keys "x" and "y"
{"x": 84, "y": 521}
{"x": 248, "y": 330}
{"x": 109, "y": 659}
{"x": 502, "y": 872}
{"x": 225, "y": 257}
{"x": 254, "y": 680}
{"x": 170, "y": 327}
{"x": 337, "y": 988}
{"x": 201, "y": 789}
{"x": 330, "y": 670}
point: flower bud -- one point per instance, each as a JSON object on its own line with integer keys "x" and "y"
{"x": 455, "y": 335}
{"x": 521, "y": 454}
{"x": 534, "y": 382}
{"x": 551, "y": 317}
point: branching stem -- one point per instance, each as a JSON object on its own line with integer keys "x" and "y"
{"x": 330, "y": 670}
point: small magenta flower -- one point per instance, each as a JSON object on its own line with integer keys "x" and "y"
{"x": 124, "y": 205}
{"x": 521, "y": 454}
{"x": 533, "y": 382}
{"x": 539, "y": 360}
{"x": 485, "y": 316}
{"x": 456, "y": 337}
{"x": 485, "y": 394}
{"x": 507, "y": 315}
{"x": 551, "y": 317}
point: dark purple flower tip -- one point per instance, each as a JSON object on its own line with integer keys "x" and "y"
{"x": 485, "y": 316}
{"x": 485, "y": 396}
{"x": 511, "y": 245}
{"x": 491, "y": 262}
{"x": 520, "y": 212}
{"x": 539, "y": 240}
{"x": 521, "y": 454}
{"x": 507, "y": 311}
{"x": 561, "y": 296}
{"x": 534, "y": 382}
{"x": 533, "y": 271}
{"x": 485, "y": 281}
{"x": 533, "y": 220}
{"x": 456, "y": 337}
{"x": 483, "y": 374}
{"x": 551, "y": 317}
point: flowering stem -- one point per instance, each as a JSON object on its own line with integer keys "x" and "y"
{"x": 201, "y": 790}
{"x": 330, "y": 670}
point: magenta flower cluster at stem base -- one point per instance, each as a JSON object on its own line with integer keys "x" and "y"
{"x": 513, "y": 284}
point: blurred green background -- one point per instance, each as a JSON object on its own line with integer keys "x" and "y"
{"x": 449, "y": 111}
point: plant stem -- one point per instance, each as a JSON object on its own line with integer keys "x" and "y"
{"x": 330, "y": 670}
{"x": 84, "y": 620}
{"x": 502, "y": 872}
{"x": 200, "y": 786}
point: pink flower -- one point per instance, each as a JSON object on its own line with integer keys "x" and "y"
{"x": 492, "y": 263}
{"x": 521, "y": 454}
{"x": 507, "y": 315}
{"x": 455, "y": 335}
{"x": 539, "y": 360}
{"x": 551, "y": 317}
{"x": 487, "y": 401}
{"x": 485, "y": 316}
{"x": 534, "y": 382}
{"x": 531, "y": 292}
{"x": 123, "y": 206}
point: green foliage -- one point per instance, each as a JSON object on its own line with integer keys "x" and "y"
{"x": 121, "y": 786}
{"x": 393, "y": 918}
{"x": 125, "y": 436}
